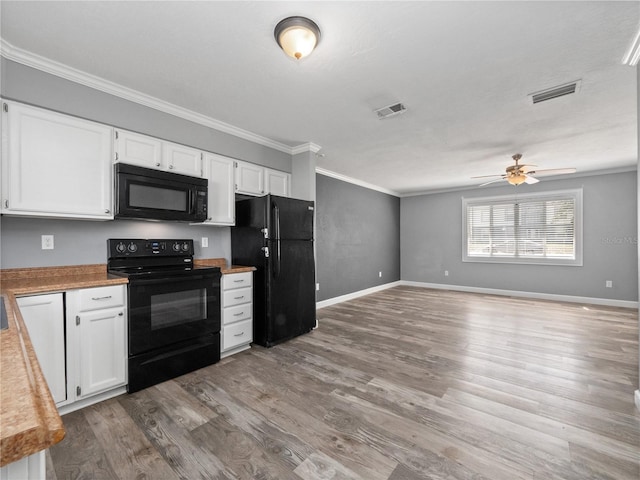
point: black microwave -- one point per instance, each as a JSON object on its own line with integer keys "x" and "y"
{"x": 149, "y": 194}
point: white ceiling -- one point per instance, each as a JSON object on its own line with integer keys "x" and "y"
{"x": 463, "y": 70}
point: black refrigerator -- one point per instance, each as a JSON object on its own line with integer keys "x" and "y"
{"x": 275, "y": 235}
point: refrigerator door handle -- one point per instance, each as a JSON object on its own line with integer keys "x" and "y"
{"x": 277, "y": 265}
{"x": 276, "y": 211}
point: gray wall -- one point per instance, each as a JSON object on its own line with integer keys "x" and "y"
{"x": 357, "y": 236}
{"x": 80, "y": 242}
{"x": 431, "y": 242}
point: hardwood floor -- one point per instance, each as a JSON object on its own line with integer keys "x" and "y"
{"x": 405, "y": 384}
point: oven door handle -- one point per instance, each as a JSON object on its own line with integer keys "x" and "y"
{"x": 165, "y": 280}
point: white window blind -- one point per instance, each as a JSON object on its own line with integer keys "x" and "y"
{"x": 535, "y": 228}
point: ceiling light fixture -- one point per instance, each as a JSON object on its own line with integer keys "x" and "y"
{"x": 297, "y": 36}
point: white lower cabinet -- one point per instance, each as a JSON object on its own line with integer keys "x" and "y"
{"x": 82, "y": 350}
{"x": 44, "y": 317}
{"x": 32, "y": 467}
{"x": 237, "y": 312}
{"x": 96, "y": 324}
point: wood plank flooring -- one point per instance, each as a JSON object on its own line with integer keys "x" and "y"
{"x": 404, "y": 384}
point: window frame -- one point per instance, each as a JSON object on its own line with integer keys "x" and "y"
{"x": 575, "y": 194}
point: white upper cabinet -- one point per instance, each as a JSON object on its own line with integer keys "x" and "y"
{"x": 181, "y": 159}
{"x": 136, "y": 149}
{"x": 220, "y": 172}
{"x": 256, "y": 180}
{"x": 249, "y": 179}
{"x": 55, "y": 165}
{"x": 278, "y": 183}
{"x": 150, "y": 152}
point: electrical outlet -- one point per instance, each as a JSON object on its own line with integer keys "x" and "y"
{"x": 379, "y": 274}
{"x": 317, "y": 287}
{"x": 205, "y": 242}
{"x": 608, "y": 283}
{"x": 446, "y": 273}
{"x": 47, "y": 242}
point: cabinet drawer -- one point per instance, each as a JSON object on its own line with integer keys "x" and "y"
{"x": 100, "y": 297}
{"x": 237, "y": 296}
{"x": 237, "y": 313}
{"x": 237, "y": 334}
{"x": 237, "y": 280}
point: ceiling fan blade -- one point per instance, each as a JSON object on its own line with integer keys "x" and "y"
{"x": 554, "y": 171}
{"x": 530, "y": 180}
{"x": 487, "y": 176}
{"x": 491, "y": 181}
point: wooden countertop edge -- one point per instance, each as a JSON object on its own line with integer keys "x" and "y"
{"x": 36, "y": 425}
{"x": 222, "y": 264}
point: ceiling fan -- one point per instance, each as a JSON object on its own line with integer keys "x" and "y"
{"x": 517, "y": 174}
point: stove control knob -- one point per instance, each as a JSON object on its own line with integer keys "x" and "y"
{"x": 121, "y": 248}
{"x": 185, "y": 247}
{"x": 176, "y": 247}
{"x": 132, "y": 247}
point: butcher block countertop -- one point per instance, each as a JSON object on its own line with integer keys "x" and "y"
{"x": 29, "y": 419}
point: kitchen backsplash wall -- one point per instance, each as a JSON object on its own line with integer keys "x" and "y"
{"x": 78, "y": 242}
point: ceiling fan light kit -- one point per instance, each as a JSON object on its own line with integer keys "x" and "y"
{"x": 517, "y": 174}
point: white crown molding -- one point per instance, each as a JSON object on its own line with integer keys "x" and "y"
{"x": 355, "y": 181}
{"x": 306, "y": 147}
{"x": 38, "y": 62}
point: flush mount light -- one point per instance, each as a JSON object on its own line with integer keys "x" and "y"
{"x": 297, "y": 36}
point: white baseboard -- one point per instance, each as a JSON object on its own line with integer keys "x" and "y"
{"x": 360, "y": 293}
{"x": 518, "y": 293}
{"x": 85, "y": 402}
{"x": 637, "y": 399}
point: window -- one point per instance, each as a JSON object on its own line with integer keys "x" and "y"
{"x": 539, "y": 228}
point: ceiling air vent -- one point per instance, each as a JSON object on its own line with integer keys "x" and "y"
{"x": 555, "y": 92}
{"x": 390, "y": 110}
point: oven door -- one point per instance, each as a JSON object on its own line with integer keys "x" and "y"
{"x": 168, "y": 310}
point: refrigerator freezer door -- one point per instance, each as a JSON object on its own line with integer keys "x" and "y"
{"x": 291, "y": 219}
{"x": 291, "y": 307}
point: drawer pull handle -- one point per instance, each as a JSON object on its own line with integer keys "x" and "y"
{"x": 239, "y": 334}
{"x": 238, "y": 298}
{"x": 238, "y": 281}
{"x": 238, "y": 314}
{"x": 102, "y": 298}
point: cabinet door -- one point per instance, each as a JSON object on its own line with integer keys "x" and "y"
{"x": 102, "y": 353}
{"x": 277, "y": 183}
{"x": 220, "y": 172}
{"x": 249, "y": 178}
{"x": 181, "y": 159}
{"x": 55, "y": 165}
{"x": 137, "y": 149}
{"x": 44, "y": 318}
